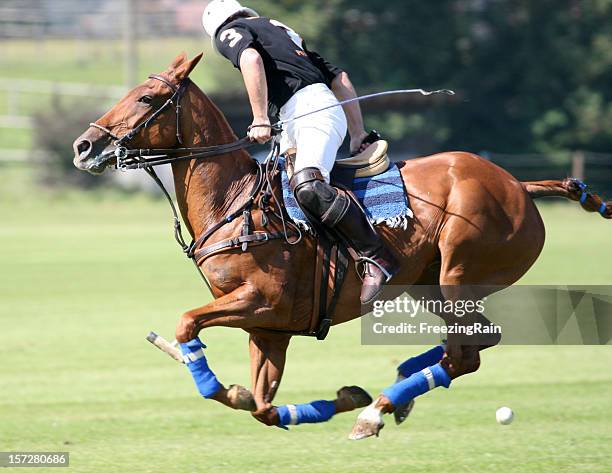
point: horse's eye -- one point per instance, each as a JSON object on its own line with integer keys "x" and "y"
{"x": 146, "y": 99}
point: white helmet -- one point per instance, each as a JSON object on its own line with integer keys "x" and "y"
{"x": 218, "y": 11}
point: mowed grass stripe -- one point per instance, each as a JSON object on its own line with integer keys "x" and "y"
{"x": 76, "y": 373}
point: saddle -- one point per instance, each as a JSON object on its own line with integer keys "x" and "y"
{"x": 369, "y": 163}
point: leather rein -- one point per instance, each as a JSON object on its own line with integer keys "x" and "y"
{"x": 262, "y": 191}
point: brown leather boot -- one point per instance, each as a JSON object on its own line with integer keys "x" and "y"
{"x": 376, "y": 273}
{"x": 339, "y": 212}
{"x": 379, "y": 264}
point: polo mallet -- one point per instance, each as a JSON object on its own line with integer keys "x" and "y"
{"x": 426, "y": 93}
{"x": 171, "y": 349}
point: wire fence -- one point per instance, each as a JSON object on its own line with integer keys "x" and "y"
{"x": 97, "y": 18}
{"x": 19, "y": 115}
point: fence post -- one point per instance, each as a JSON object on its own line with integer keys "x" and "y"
{"x": 130, "y": 44}
{"x": 578, "y": 165}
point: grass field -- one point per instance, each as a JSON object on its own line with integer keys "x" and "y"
{"x": 84, "y": 278}
{"x": 100, "y": 62}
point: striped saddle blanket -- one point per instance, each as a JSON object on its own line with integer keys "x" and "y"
{"x": 383, "y": 197}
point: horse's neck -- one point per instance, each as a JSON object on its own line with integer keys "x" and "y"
{"x": 209, "y": 189}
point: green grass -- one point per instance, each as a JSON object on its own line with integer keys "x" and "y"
{"x": 84, "y": 277}
{"x": 101, "y": 62}
{"x": 15, "y": 138}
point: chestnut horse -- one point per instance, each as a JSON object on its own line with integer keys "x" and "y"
{"x": 474, "y": 225}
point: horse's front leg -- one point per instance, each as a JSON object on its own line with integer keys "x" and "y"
{"x": 268, "y": 354}
{"x": 242, "y": 308}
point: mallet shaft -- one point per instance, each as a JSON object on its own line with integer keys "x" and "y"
{"x": 165, "y": 346}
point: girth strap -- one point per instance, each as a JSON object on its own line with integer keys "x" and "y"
{"x": 258, "y": 237}
{"x": 341, "y": 266}
{"x": 334, "y": 255}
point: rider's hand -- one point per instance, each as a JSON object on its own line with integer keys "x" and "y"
{"x": 357, "y": 144}
{"x": 262, "y": 133}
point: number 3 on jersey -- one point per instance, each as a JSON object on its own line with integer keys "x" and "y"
{"x": 296, "y": 38}
{"x": 233, "y": 36}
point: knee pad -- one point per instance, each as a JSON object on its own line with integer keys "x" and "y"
{"x": 319, "y": 198}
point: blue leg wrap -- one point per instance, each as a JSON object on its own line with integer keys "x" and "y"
{"x": 312, "y": 413}
{"x": 417, "y": 384}
{"x": 603, "y": 209}
{"x": 417, "y": 363}
{"x": 583, "y": 187}
{"x": 205, "y": 379}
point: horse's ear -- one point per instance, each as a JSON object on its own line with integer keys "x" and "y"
{"x": 180, "y": 59}
{"x": 183, "y": 71}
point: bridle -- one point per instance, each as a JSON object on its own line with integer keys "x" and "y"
{"x": 128, "y": 158}
{"x": 147, "y": 159}
{"x": 177, "y": 95}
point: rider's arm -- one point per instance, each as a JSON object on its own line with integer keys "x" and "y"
{"x": 236, "y": 44}
{"x": 343, "y": 89}
{"x": 254, "y": 75}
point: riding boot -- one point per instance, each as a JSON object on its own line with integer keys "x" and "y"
{"x": 378, "y": 263}
{"x": 337, "y": 211}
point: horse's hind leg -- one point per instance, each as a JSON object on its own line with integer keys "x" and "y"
{"x": 459, "y": 359}
{"x": 408, "y": 368}
{"x": 464, "y": 277}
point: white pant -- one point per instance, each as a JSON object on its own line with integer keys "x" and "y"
{"x": 317, "y": 137}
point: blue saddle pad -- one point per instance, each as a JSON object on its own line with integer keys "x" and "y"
{"x": 383, "y": 198}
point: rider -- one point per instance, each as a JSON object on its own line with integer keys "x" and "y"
{"x": 283, "y": 78}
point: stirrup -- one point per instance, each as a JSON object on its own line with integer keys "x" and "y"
{"x": 365, "y": 259}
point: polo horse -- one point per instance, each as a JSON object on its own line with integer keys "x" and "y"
{"x": 474, "y": 225}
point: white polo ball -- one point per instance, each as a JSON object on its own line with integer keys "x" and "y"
{"x": 504, "y": 415}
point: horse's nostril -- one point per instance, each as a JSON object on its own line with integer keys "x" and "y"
{"x": 84, "y": 148}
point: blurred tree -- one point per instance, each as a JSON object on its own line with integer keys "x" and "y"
{"x": 538, "y": 79}
{"x": 55, "y": 129}
{"x": 534, "y": 76}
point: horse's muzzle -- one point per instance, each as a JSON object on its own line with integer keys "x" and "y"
{"x": 89, "y": 157}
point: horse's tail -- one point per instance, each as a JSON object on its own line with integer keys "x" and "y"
{"x": 573, "y": 189}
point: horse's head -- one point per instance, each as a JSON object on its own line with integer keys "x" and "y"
{"x": 144, "y": 118}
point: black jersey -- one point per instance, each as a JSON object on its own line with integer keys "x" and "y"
{"x": 289, "y": 65}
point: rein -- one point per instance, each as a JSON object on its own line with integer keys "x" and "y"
{"x": 142, "y": 158}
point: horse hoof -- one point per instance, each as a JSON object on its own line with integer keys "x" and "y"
{"x": 369, "y": 423}
{"x": 357, "y": 396}
{"x": 241, "y": 398}
{"x": 402, "y": 412}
